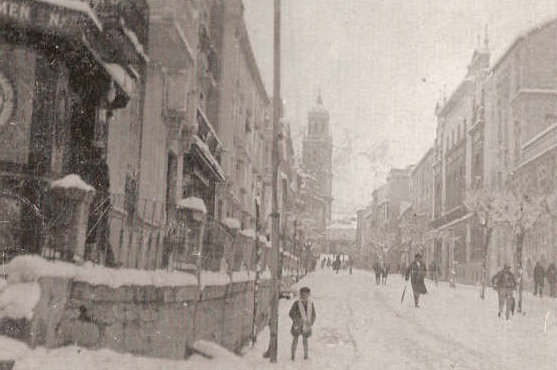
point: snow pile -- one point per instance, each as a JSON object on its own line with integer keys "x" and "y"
{"x": 226, "y": 359}
{"x": 17, "y": 301}
{"x": 232, "y": 223}
{"x": 72, "y": 357}
{"x": 193, "y": 203}
{"x": 72, "y": 181}
{"x": 31, "y": 267}
{"x": 11, "y": 349}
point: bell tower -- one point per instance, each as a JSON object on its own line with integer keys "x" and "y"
{"x": 318, "y": 152}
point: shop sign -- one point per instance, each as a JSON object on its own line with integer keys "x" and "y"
{"x": 39, "y": 15}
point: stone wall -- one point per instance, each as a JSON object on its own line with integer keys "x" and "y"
{"x": 145, "y": 320}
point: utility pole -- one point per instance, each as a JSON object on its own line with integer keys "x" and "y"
{"x": 275, "y": 231}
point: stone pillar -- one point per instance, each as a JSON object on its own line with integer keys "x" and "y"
{"x": 71, "y": 198}
{"x": 192, "y": 212}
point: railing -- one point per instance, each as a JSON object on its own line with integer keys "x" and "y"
{"x": 146, "y": 238}
{"x": 207, "y": 134}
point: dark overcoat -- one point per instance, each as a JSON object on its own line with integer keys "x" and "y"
{"x": 297, "y": 321}
{"x": 416, "y": 272}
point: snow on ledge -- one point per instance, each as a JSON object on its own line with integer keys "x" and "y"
{"x": 213, "y": 278}
{"x": 72, "y": 181}
{"x": 266, "y": 274}
{"x": 232, "y": 223}
{"x": 17, "y": 301}
{"x": 241, "y": 276}
{"x": 31, "y": 267}
{"x": 249, "y": 233}
{"x": 193, "y": 203}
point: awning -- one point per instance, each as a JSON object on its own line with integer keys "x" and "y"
{"x": 123, "y": 82}
{"x": 73, "y": 20}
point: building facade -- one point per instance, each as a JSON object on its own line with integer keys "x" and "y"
{"x": 66, "y": 73}
{"x": 243, "y": 109}
{"x": 453, "y": 167}
{"x": 524, "y": 118}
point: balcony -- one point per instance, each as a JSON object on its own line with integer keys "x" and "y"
{"x": 207, "y": 133}
{"x": 207, "y": 146}
{"x": 454, "y": 214}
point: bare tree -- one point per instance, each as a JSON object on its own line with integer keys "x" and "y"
{"x": 485, "y": 205}
{"x": 413, "y": 230}
{"x": 511, "y": 208}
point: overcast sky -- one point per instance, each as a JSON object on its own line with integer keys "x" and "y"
{"x": 381, "y": 65}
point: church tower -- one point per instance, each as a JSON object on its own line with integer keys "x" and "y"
{"x": 317, "y": 153}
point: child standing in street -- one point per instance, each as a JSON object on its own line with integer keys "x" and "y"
{"x": 303, "y": 316}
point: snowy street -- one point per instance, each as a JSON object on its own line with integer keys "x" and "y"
{"x": 360, "y": 325}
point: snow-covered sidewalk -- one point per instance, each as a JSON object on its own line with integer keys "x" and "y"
{"x": 362, "y": 326}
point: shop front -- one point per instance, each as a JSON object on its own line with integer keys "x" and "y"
{"x": 62, "y": 73}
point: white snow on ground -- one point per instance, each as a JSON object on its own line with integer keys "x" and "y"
{"x": 29, "y": 268}
{"x": 71, "y": 358}
{"x": 18, "y": 301}
{"x": 71, "y": 181}
{"x": 363, "y": 326}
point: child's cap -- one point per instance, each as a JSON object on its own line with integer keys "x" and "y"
{"x": 305, "y": 290}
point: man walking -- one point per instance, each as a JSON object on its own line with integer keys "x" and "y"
{"x": 336, "y": 264}
{"x": 385, "y": 274}
{"x": 539, "y": 277}
{"x": 416, "y": 273}
{"x": 378, "y": 272}
{"x": 505, "y": 283}
{"x": 551, "y": 275}
{"x": 303, "y": 316}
